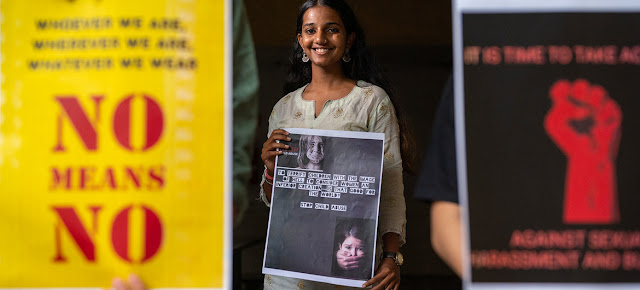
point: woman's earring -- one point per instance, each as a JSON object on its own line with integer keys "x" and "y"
{"x": 346, "y": 57}
{"x": 305, "y": 58}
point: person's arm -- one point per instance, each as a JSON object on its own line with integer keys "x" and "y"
{"x": 388, "y": 273}
{"x": 391, "y": 242}
{"x": 392, "y": 216}
{"x": 270, "y": 149}
{"x": 446, "y": 233}
{"x": 267, "y": 188}
{"x": 269, "y": 153}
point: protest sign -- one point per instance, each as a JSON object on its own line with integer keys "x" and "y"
{"x": 324, "y": 209}
{"x": 114, "y": 123}
{"x": 547, "y": 135}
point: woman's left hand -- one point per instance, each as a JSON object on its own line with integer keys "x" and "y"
{"x": 387, "y": 276}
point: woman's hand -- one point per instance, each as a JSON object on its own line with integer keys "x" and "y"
{"x": 269, "y": 147}
{"x": 134, "y": 283}
{"x": 387, "y": 276}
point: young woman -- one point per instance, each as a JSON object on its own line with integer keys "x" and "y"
{"x": 335, "y": 84}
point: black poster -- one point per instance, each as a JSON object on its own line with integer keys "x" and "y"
{"x": 324, "y": 208}
{"x": 552, "y": 128}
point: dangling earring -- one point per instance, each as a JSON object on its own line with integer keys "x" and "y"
{"x": 346, "y": 57}
{"x": 305, "y": 58}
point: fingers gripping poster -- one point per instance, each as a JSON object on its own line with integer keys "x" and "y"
{"x": 324, "y": 207}
{"x": 546, "y": 102}
{"x": 113, "y": 120}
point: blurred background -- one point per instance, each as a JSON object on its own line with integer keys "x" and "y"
{"x": 411, "y": 40}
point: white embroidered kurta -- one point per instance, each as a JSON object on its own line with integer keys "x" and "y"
{"x": 366, "y": 108}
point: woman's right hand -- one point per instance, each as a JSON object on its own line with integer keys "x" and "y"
{"x": 269, "y": 147}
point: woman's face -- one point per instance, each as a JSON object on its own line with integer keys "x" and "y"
{"x": 315, "y": 150}
{"x": 352, "y": 246}
{"x": 323, "y": 37}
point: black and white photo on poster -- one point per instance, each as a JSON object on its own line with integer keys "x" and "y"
{"x": 546, "y": 95}
{"x": 324, "y": 207}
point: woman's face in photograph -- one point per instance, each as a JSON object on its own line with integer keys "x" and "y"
{"x": 323, "y": 37}
{"x": 353, "y": 246}
{"x": 315, "y": 150}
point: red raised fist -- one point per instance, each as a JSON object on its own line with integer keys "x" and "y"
{"x": 584, "y": 122}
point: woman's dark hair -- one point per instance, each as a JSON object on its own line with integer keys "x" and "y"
{"x": 361, "y": 67}
{"x": 303, "y": 160}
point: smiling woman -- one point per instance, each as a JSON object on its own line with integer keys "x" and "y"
{"x": 324, "y": 38}
{"x": 335, "y": 84}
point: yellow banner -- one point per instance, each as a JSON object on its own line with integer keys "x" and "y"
{"x": 112, "y": 129}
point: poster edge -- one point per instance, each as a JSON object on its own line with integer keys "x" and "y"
{"x": 460, "y": 142}
{"x": 337, "y": 133}
{"x": 504, "y": 6}
{"x": 312, "y": 277}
